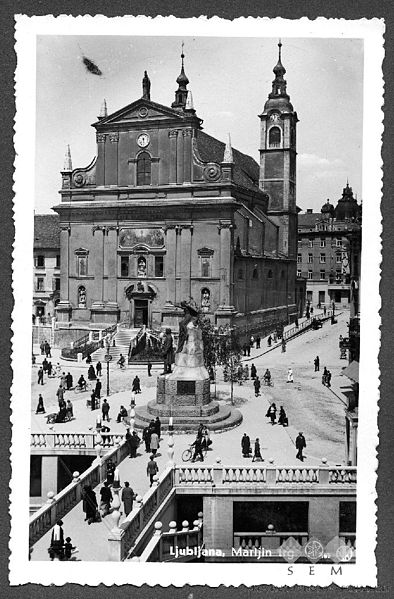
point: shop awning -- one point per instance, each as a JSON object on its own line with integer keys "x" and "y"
{"x": 351, "y": 371}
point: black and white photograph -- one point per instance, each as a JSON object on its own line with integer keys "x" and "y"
{"x": 196, "y": 283}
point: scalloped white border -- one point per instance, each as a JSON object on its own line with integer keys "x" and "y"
{"x": 363, "y": 573}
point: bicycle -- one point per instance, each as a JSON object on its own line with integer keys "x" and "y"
{"x": 188, "y": 453}
{"x": 79, "y": 389}
{"x": 121, "y": 366}
{"x": 268, "y": 383}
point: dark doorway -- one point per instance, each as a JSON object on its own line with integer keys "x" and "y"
{"x": 140, "y": 313}
{"x": 283, "y": 515}
{"x": 337, "y": 297}
{"x": 187, "y": 508}
{"x": 66, "y": 465}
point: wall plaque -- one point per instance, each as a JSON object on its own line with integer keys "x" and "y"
{"x": 151, "y": 238}
{"x": 186, "y": 387}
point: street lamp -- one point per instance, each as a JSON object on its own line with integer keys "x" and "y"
{"x": 108, "y": 359}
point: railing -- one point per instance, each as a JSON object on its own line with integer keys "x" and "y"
{"x": 266, "y": 541}
{"x": 64, "y": 441}
{"x": 173, "y": 546}
{"x": 267, "y": 476}
{"x": 83, "y": 341}
{"x": 305, "y": 324}
{"x": 59, "y": 505}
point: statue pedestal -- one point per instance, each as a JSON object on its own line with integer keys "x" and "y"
{"x": 185, "y": 394}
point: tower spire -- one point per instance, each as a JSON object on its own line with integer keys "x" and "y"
{"x": 279, "y": 83}
{"x": 228, "y": 151}
{"x": 103, "y": 110}
{"x": 182, "y": 81}
{"x": 68, "y": 165}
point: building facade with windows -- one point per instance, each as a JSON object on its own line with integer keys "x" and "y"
{"x": 324, "y": 254}
{"x": 166, "y": 212}
{"x": 46, "y": 267}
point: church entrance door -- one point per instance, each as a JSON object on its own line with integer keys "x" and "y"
{"x": 140, "y": 313}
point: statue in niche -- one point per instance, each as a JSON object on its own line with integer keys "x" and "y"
{"x": 205, "y": 299}
{"x": 82, "y": 297}
{"x": 141, "y": 267}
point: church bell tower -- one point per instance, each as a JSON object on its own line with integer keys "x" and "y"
{"x": 278, "y": 159}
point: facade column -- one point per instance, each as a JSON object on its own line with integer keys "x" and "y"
{"x": 173, "y": 157}
{"x": 48, "y": 475}
{"x": 65, "y": 232}
{"x": 187, "y": 155}
{"x": 100, "y": 169}
{"x": 98, "y": 233}
{"x": 179, "y": 159}
{"x": 111, "y": 263}
{"x": 170, "y": 266}
{"x": 225, "y": 264}
{"x": 186, "y": 248}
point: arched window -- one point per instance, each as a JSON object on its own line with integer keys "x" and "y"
{"x": 270, "y": 274}
{"x": 144, "y": 169}
{"x": 255, "y": 274}
{"x": 81, "y": 297}
{"x": 274, "y": 137}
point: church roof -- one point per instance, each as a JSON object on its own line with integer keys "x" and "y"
{"x": 246, "y": 169}
{"x": 46, "y": 231}
{"x": 308, "y": 220}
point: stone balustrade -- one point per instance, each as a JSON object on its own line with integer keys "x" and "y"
{"x": 59, "y": 505}
{"x": 73, "y": 441}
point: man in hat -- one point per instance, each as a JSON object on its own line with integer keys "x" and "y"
{"x": 300, "y": 443}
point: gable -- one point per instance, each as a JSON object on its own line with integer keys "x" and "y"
{"x": 140, "y": 111}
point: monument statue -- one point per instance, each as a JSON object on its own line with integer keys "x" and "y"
{"x": 190, "y": 313}
{"x": 167, "y": 351}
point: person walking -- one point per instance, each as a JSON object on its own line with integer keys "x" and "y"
{"x": 272, "y": 413}
{"x": 69, "y": 381}
{"x": 136, "y": 384}
{"x": 324, "y": 311}
{"x": 60, "y": 394}
{"x": 269, "y": 341}
{"x": 248, "y": 349}
{"x": 56, "y": 547}
{"x": 149, "y": 365}
{"x": 328, "y": 378}
{"x": 45, "y": 365}
{"x": 63, "y": 380}
{"x": 152, "y": 469}
{"x": 290, "y": 378}
{"x": 40, "y": 406}
{"x": 40, "y": 374}
{"x": 257, "y": 451}
{"x": 89, "y": 504}
{"x": 317, "y": 364}
{"x": 245, "y": 444}
{"x": 91, "y": 373}
{"x": 49, "y": 369}
{"x": 69, "y": 409}
{"x": 69, "y": 549}
{"x": 105, "y": 410}
{"x": 98, "y": 368}
{"x": 111, "y": 466}
{"x": 146, "y": 438}
{"x": 257, "y": 385}
{"x": 283, "y": 346}
{"x": 127, "y": 497}
{"x": 258, "y": 342}
{"x": 283, "y": 420}
{"x": 42, "y": 347}
{"x": 324, "y": 376}
{"x": 134, "y": 444}
{"x": 93, "y": 400}
{"x": 158, "y": 427}
{"x": 300, "y": 444}
{"x": 97, "y": 390}
{"x": 253, "y": 372}
{"x": 106, "y": 498}
{"x": 128, "y": 441}
{"x": 154, "y": 442}
{"x": 197, "y": 444}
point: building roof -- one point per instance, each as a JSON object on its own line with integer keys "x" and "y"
{"x": 246, "y": 169}
{"x": 46, "y": 231}
{"x": 308, "y": 220}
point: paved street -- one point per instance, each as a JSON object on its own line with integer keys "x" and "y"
{"x": 311, "y": 408}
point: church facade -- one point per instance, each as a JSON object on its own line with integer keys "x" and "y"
{"x": 165, "y": 213}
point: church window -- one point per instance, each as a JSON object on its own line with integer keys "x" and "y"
{"x": 274, "y": 137}
{"x": 255, "y": 274}
{"x": 159, "y": 266}
{"x": 124, "y": 266}
{"x": 270, "y": 274}
{"x": 81, "y": 297}
{"x": 144, "y": 169}
{"x": 82, "y": 266}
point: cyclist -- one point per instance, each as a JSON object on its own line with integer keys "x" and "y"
{"x": 197, "y": 448}
{"x": 82, "y": 383}
{"x": 121, "y": 361}
{"x": 267, "y": 377}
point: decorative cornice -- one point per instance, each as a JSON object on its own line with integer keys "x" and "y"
{"x": 225, "y": 226}
{"x": 205, "y": 251}
{"x": 98, "y": 228}
{"x": 187, "y": 132}
{"x": 65, "y": 228}
{"x": 109, "y": 228}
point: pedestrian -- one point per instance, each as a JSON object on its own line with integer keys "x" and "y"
{"x": 105, "y": 437}
{"x": 45, "y": 365}
{"x": 42, "y": 347}
{"x": 324, "y": 376}
{"x": 283, "y": 346}
{"x": 198, "y": 444}
{"x": 69, "y": 549}
{"x": 240, "y": 372}
{"x": 272, "y": 414}
{"x": 251, "y": 341}
{"x": 328, "y": 379}
{"x": 127, "y": 497}
{"x": 300, "y": 443}
{"x": 88, "y": 359}
{"x": 245, "y": 444}
{"x": 257, "y": 452}
{"x": 57, "y": 541}
{"x": 98, "y": 368}
{"x": 246, "y": 372}
{"x": 111, "y": 466}
{"x": 69, "y": 381}
{"x": 267, "y": 377}
{"x": 158, "y": 427}
{"x": 283, "y": 420}
{"x": 97, "y": 390}
{"x": 58, "y": 369}
{"x": 136, "y": 384}
{"x": 40, "y": 374}
{"x": 40, "y": 406}
{"x": 311, "y": 310}
{"x": 49, "y": 369}
{"x": 146, "y": 438}
{"x": 253, "y": 372}
{"x": 258, "y": 342}
{"x": 106, "y": 498}
{"x": 269, "y": 341}
{"x": 324, "y": 311}
{"x": 105, "y": 410}
{"x": 149, "y": 367}
{"x": 93, "y": 400}
{"x": 290, "y": 378}
{"x": 128, "y": 440}
{"x": 317, "y": 364}
{"x": 69, "y": 409}
{"x": 122, "y": 414}
{"x": 257, "y": 385}
{"x": 47, "y": 350}
{"x": 152, "y": 469}
{"x": 89, "y": 504}
{"x": 60, "y": 394}
{"x": 134, "y": 444}
{"x": 154, "y": 442}
{"x": 275, "y": 339}
{"x": 248, "y": 349}
{"x": 91, "y": 373}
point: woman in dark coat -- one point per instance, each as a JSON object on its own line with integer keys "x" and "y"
{"x": 245, "y": 444}
{"x": 89, "y": 504}
{"x": 110, "y": 471}
{"x": 91, "y": 373}
{"x": 40, "y": 406}
{"x": 253, "y": 371}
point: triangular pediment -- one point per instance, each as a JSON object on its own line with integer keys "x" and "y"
{"x": 140, "y": 111}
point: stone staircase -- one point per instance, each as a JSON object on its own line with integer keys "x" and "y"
{"x": 123, "y": 339}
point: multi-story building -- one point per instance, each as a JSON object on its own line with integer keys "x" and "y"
{"x": 165, "y": 212}
{"x": 324, "y": 250}
{"x": 46, "y": 269}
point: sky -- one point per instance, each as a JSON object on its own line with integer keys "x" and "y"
{"x": 230, "y": 79}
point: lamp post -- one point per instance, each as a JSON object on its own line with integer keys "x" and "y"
{"x": 108, "y": 359}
